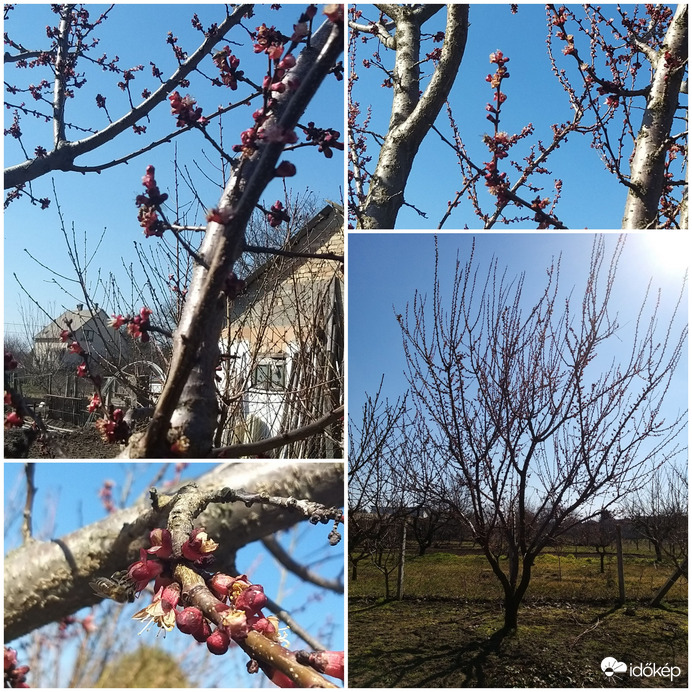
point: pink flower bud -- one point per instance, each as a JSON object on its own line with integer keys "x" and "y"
{"x": 220, "y": 584}
{"x": 252, "y": 599}
{"x": 161, "y": 545}
{"x": 288, "y": 62}
{"x": 218, "y": 642}
{"x": 13, "y": 420}
{"x": 285, "y": 170}
{"x": 144, "y": 570}
{"x": 190, "y": 620}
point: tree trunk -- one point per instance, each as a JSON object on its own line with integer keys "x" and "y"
{"x": 354, "y": 570}
{"x": 412, "y": 115}
{"x": 186, "y": 412}
{"x": 512, "y": 603}
{"x": 648, "y": 161}
{"x": 515, "y": 595}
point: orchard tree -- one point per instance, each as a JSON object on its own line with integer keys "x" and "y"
{"x": 168, "y": 562}
{"x": 623, "y": 74}
{"x": 376, "y": 495}
{"x": 659, "y": 513}
{"x": 296, "y": 57}
{"x": 523, "y": 408}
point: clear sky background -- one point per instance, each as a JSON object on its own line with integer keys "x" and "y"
{"x": 137, "y": 34}
{"x": 67, "y": 499}
{"x": 385, "y": 270}
{"x": 592, "y": 197}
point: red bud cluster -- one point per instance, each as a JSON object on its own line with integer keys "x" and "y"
{"x": 113, "y": 427}
{"x": 139, "y": 324}
{"x": 184, "y": 108}
{"x": 227, "y": 63}
{"x": 15, "y": 675}
{"x": 325, "y": 139}
{"x": 147, "y": 204}
{"x": 277, "y": 215}
{"x": 268, "y": 40}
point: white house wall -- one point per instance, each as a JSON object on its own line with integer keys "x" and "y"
{"x": 264, "y": 405}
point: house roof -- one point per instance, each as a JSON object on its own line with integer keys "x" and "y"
{"x": 328, "y": 221}
{"x": 79, "y": 318}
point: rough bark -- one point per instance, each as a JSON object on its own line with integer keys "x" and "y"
{"x": 648, "y": 162}
{"x": 46, "y": 581}
{"x": 412, "y": 115}
{"x": 187, "y": 408}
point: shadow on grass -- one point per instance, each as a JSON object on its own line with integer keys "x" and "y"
{"x": 471, "y": 660}
{"x": 665, "y": 607}
{"x": 379, "y": 603}
{"x": 669, "y": 609}
{"x": 427, "y": 666}
{"x": 424, "y": 644}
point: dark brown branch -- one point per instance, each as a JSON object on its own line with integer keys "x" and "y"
{"x": 259, "y": 249}
{"x": 254, "y": 448}
{"x": 306, "y": 574}
{"x": 188, "y": 401}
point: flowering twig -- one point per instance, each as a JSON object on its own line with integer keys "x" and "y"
{"x": 178, "y": 560}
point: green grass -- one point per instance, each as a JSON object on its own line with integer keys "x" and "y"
{"x": 445, "y": 575}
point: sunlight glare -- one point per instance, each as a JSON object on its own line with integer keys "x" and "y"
{"x": 668, "y": 251}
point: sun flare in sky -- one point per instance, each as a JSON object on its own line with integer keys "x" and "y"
{"x": 668, "y": 251}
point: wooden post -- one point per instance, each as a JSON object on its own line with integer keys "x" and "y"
{"x": 621, "y": 569}
{"x": 680, "y": 571}
{"x": 402, "y": 555}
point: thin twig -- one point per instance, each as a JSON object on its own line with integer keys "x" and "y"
{"x": 29, "y": 469}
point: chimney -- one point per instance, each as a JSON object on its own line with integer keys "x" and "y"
{"x": 80, "y": 306}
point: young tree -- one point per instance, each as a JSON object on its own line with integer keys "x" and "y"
{"x": 659, "y": 513}
{"x": 599, "y": 535}
{"x": 522, "y": 406}
{"x": 376, "y": 494}
{"x": 183, "y": 541}
{"x": 184, "y": 419}
{"x": 634, "y": 57}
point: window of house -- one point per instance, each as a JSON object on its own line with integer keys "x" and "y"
{"x": 270, "y": 374}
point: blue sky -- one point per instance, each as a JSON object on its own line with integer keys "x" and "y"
{"x": 137, "y": 34}
{"x": 67, "y": 499}
{"x": 386, "y": 269}
{"x": 592, "y": 198}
